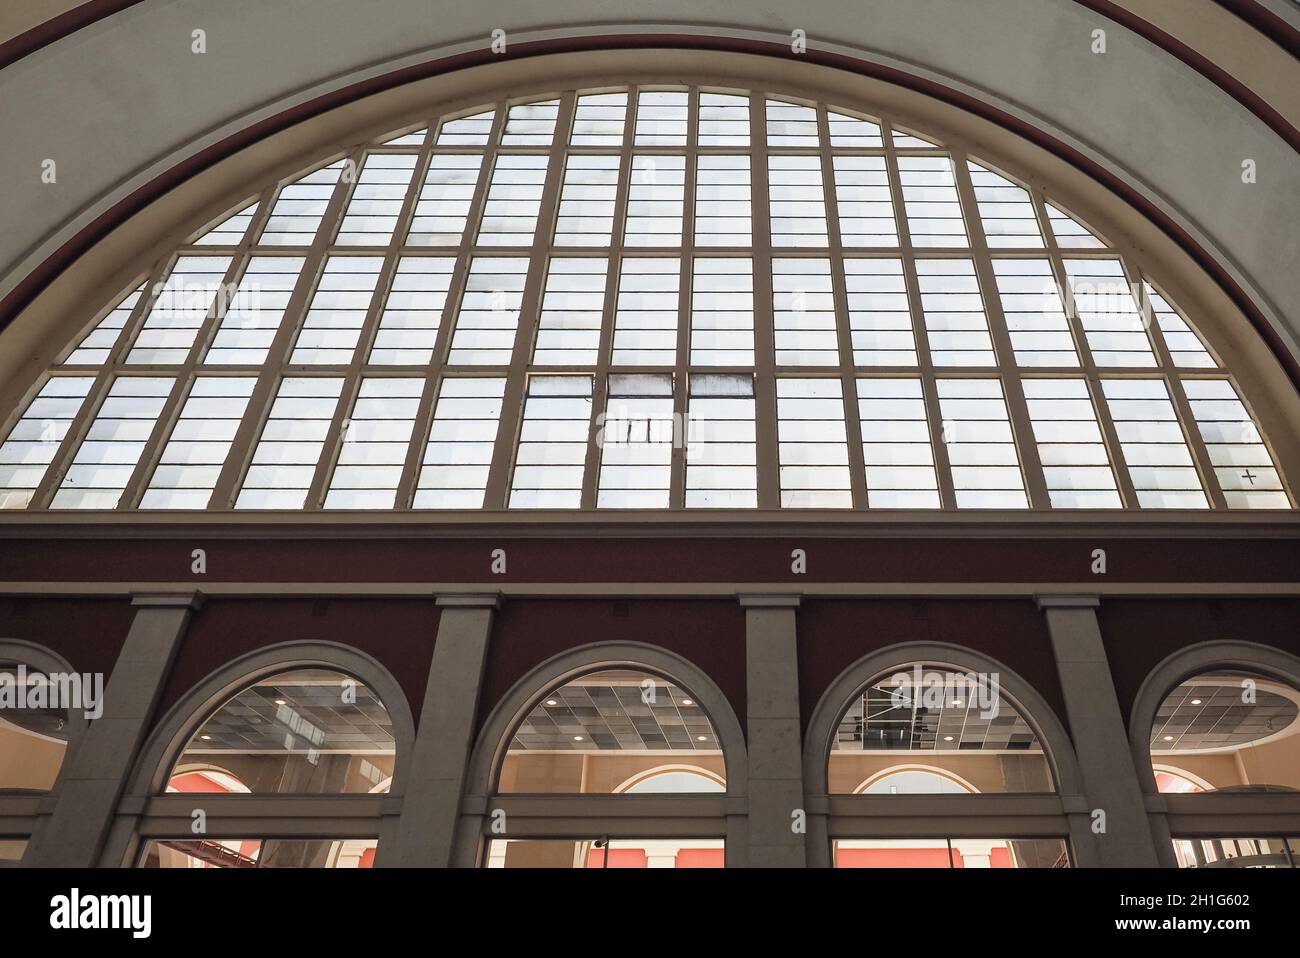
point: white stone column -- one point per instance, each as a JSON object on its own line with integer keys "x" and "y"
{"x": 435, "y": 786}
{"x": 1109, "y": 779}
{"x": 98, "y": 767}
{"x": 775, "y": 742}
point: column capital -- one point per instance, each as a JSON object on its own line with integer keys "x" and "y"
{"x": 760, "y": 601}
{"x": 470, "y": 600}
{"x": 1067, "y": 601}
{"x": 168, "y": 600}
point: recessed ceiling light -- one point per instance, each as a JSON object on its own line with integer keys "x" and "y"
{"x": 206, "y": 738}
{"x": 281, "y": 702}
{"x": 957, "y": 703}
{"x": 701, "y": 738}
{"x": 552, "y": 702}
{"x": 1196, "y": 701}
{"x": 688, "y": 701}
{"x": 947, "y": 738}
{"x": 577, "y": 738}
{"x": 1169, "y": 738}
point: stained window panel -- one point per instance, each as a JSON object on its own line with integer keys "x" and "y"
{"x": 598, "y": 119}
{"x": 812, "y": 444}
{"x": 568, "y": 330}
{"x": 1108, "y": 313}
{"x": 289, "y": 449}
{"x": 661, "y": 118}
{"x": 1036, "y": 321}
{"x": 586, "y": 214}
{"x": 880, "y": 318}
{"x": 981, "y": 447}
{"x": 791, "y": 125}
{"x": 255, "y": 312}
{"x": 408, "y": 326}
{"x": 199, "y": 443}
{"x": 654, "y": 201}
{"x": 376, "y": 202}
{"x": 930, "y": 199}
{"x": 108, "y": 455}
{"x": 1155, "y": 449}
{"x": 179, "y": 310}
{"x": 514, "y": 200}
{"x": 636, "y": 443}
{"x": 803, "y": 313}
{"x": 531, "y": 124}
{"x": 1242, "y": 464}
{"x": 332, "y": 328}
{"x": 955, "y": 323}
{"x": 1071, "y": 447}
{"x": 722, "y": 201}
{"x": 375, "y": 441}
{"x": 646, "y": 312}
{"x": 721, "y": 470}
{"x": 551, "y": 456}
{"x": 722, "y": 312}
{"x": 723, "y": 120}
{"x": 36, "y": 437}
{"x": 796, "y": 201}
{"x": 442, "y": 209}
{"x": 299, "y": 208}
{"x": 98, "y": 344}
{"x": 458, "y": 455}
{"x": 866, "y": 208}
{"x": 1006, "y": 211}
{"x": 896, "y": 445}
{"x": 489, "y": 312}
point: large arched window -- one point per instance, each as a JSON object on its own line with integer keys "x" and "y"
{"x": 34, "y": 729}
{"x": 629, "y": 735}
{"x": 305, "y": 732}
{"x": 643, "y": 297}
{"x": 930, "y": 729}
{"x": 1230, "y": 732}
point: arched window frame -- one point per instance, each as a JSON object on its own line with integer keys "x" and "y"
{"x": 615, "y": 816}
{"x": 1208, "y": 815}
{"x": 1062, "y": 815}
{"x": 157, "y": 814}
{"x": 956, "y": 143}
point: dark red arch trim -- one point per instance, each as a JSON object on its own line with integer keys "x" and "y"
{"x": 45, "y": 273}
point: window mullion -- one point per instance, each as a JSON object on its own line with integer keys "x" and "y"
{"x": 1031, "y": 466}
{"x": 512, "y": 408}
{"x": 1191, "y": 431}
{"x": 765, "y": 424}
{"x": 80, "y": 425}
{"x": 455, "y": 293}
{"x": 844, "y": 336}
{"x": 924, "y": 362}
{"x": 685, "y": 272}
{"x": 1114, "y": 448}
{"x": 277, "y": 356}
{"x": 600, "y": 388}
{"x": 333, "y": 446}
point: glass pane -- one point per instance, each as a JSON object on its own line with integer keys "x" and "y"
{"x": 255, "y": 312}
{"x": 300, "y": 206}
{"x": 1114, "y": 328}
{"x": 930, "y": 197}
{"x": 929, "y": 729}
{"x": 1070, "y": 444}
{"x": 454, "y": 470}
{"x": 812, "y": 444}
{"x": 1031, "y": 304}
{"x": 896, "y": 445}
{"x": 408, "y": 326}
{"x": 950, "y": 853}
{"x": 309, "y": 731}
{"x": 489, "y": 312}
{"x": 654, "y": 201}
{"x": 586, "y": 214}
{"x": 36, "y": 437}
{"x": 1242, "y": 463}
{"x": 284, "y": 462}
{"x": 1159, "y": 462}
{"x": 661, "y": 118}
{"x": 181, "y": 306}
{"x": 34, "y": 733}
{"x": 200, "y": 442}
{"x": 95, "y": 348}
{"x": 955, "y": 322}
{"x": 722, "y": 313}
{"x": 1006, "y": 211}
{"x": 608, "y": 732}
{"x": 722, "y": 198}
{"x": 721, "y": 471}
{"x": 531, "y": 124}
{"x": 880, "y": 319}
{"x": 376, "y": 439}
{"x": 376, "y": 202}
{"x": 332, "y": 329}
{"x": 981, "y": 449}
{"x": 573, "y": 303}
{"x": 796, "y": 202}
{"x": 442, "y": 209}
{"x": 599, "y": 853}
{"x": 865, "y": 205}
{"x": 259, "y": 853}
{"x": 636, "y": 436}
{"x": 552, "y": 454}
{"x": 513, "y": 201}
{"x": 645, "y": 316}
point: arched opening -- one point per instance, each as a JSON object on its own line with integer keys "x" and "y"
{"x": 625, "y": 732}
{"x": 302, "y": 732}
{"x": 35, "y": 727}
{"x": 958, "y": 725}
{"x": 1229, "y": 731}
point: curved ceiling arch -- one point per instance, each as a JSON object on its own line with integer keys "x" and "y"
{"x": 114, "y": 159}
